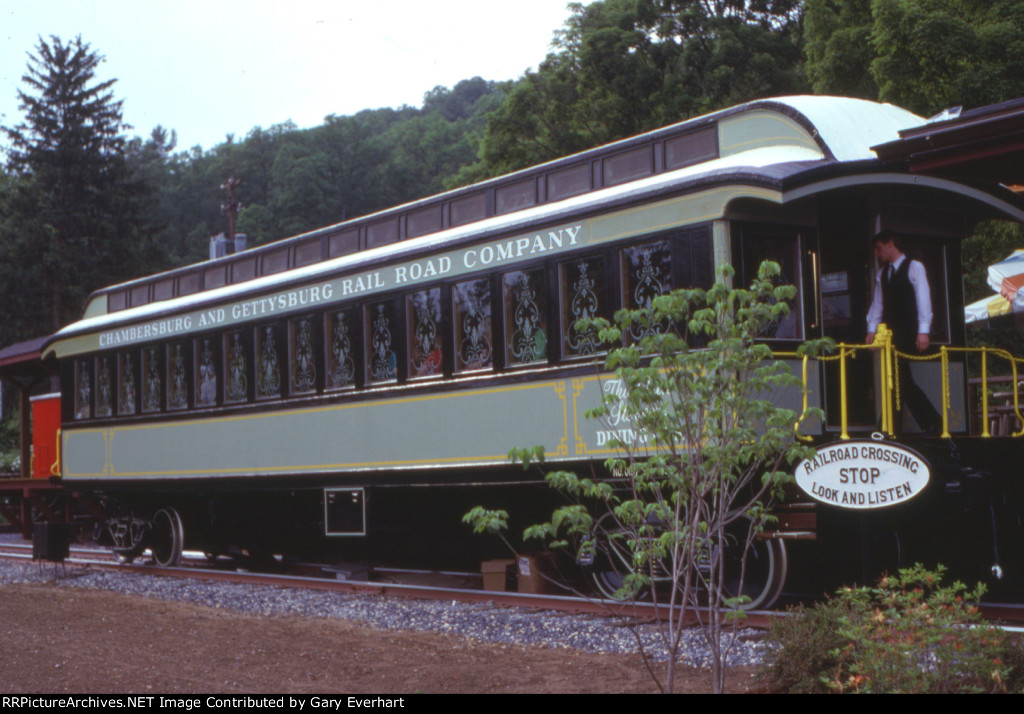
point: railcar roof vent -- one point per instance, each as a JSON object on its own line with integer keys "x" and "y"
{"x": 220, "y": 245}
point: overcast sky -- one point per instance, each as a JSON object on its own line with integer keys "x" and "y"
{"x": 207, "y": 68}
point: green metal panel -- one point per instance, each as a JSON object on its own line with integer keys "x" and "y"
{"x": 759, "y": 129}
{"x": 476, "y": 426}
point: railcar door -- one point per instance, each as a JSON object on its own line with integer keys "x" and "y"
{"x": 795, "y": 250}
{"x": 45, "y": 435}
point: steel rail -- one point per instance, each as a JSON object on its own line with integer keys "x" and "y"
{"x": 570, "y": 604}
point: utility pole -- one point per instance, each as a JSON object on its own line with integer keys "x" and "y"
{"x": 230, "y": 207}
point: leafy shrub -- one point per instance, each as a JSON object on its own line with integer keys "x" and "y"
{"x": 10, "y": 463}
{"x": 806, "y": 645}
{"x": 10, "y": 449}
{"x": 908, "y": 634}
{"x": 1013, "y": 659}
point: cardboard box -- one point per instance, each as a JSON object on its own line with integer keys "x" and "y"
{"x": 532, "y": 569}
{"x": 499, "y": 575}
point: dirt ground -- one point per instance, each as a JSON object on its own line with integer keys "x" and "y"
{"x": 58, "y": 640}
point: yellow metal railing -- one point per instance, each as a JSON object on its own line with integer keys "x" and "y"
{"x": 55, "y": 466}
{"x": 889, "y": 378}
{"x": 984, "y": 353}
{"x": 845, "y": 351}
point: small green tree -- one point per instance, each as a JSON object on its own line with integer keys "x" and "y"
{"x": 688, "y": 496}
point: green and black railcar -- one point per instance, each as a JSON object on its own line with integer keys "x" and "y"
{"x": 356, "y": 389}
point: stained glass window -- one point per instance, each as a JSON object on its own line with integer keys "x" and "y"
{"x": 647, "y": 273}
{"x": 302, "y": 350}
{"x": 423, "y": 320}
{"x": 582, "y": 292}
{"x": 152, "y": 381}
{"x": 526, "y": 334}
{"x": 177, "y": 375}
{"x": 268, "y": 361}
{"x": 342, "y": 348}
{"x": 381, "y": 342}
{"x": 471, "y": 313}
{"x": 207, "y": 360}
{"x": 83, "y": 389}
{"x": 127, "y": 383}
{"x": 104, "y": 387}
{"x": 237, "y": 366}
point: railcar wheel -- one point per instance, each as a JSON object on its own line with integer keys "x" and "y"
{"x": 613, "y": 565}
{"x": 609, "y": 581}
{"x": 764, "y": 577}
{"x": 168, "y": 538}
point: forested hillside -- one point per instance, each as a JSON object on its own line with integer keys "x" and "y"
{"x": 296, "y": 180}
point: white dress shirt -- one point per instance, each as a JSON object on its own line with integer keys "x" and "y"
{"x": 919, "y": 279}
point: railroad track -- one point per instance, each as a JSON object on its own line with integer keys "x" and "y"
{"x": 391, "y": 583}
{"x": 401, "y": 583}
{"x": 20, "y": 551}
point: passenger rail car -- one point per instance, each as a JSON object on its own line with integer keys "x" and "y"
{"x": 356, "y": 389}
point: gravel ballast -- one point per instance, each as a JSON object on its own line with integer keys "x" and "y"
{"x": 481, "y": 621}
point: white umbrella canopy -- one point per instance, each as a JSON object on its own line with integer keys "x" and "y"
{"x": 1007, "y": 278}
{"x": 987, "y": 308}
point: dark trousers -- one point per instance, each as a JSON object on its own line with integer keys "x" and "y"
{"x": 913, "y": 398}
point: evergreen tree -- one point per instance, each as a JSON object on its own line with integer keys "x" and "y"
{"x": 73, "y": 200}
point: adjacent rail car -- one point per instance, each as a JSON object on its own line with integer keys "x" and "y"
{"x": 356, "y": 389}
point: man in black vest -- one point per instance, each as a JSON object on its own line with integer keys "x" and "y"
{"x": 902, "y": 300}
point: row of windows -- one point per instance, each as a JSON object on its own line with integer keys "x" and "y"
{"x": 484, "y": 323}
